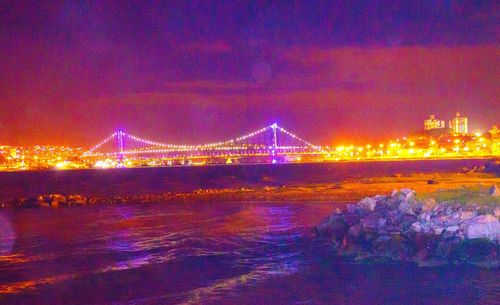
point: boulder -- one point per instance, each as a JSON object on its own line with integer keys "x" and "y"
{"x": 449, "y": 233}
{"x": 381, "y": 222}
{"x": 416, "y": 227}
{"x": 398, "y": 227}
{"x": 56, "y": 200}
{"x": 352, "y": 208}
{"x": 483, "y": 226}
{"x": 58, "y": 197}
{"x": 405, "y": 207}
{"x": 355, "y": 230}
{"x": 452, "y": 229}
{"x": 380, "y": 197}
{"x": 409, "y": 195}
{"x": 494, "y": 191}
{"x": 437, "y": 230}
{"x": 465, "y": 215}
{"x": 424, "y": 217}
{"x": 368, "y": 203}
{"x": 371, "y": 221}
{"x": 445, "y": 248}
{"x": 335, "y": 228}
{"x": 323, "y": 229}
{"x": 428, "y": 205}
{"x": 351, "y": 219}
{"x": 440, "y": 208}
{"x": 407, "y": 222}
{"x": 421, "y": 256}
{"x": 395, "y": 217}
{"x": 77, "y": 199}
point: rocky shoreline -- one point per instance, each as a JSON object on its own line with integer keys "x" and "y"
{"x": 442, "y": 186}
{"x": 399, "y": 227}
{"x": 60, "y": 200}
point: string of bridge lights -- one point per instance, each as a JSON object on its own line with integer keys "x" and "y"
{"x": 298, "y": 138}
{"x": 216, "y": 145}
{"x": 202, "y": 146}
{"x": 101, "y": 143}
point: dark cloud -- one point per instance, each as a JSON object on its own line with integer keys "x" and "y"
{"x": 72, "y": 72}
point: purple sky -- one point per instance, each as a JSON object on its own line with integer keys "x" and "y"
{"x": 199, "y": 71}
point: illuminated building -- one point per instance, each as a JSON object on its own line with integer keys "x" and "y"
{"x": 494, "y": 131}
{"x": 459, "y": 124}
{"x": 433, "y": 123}
{"x": 421, "y": 145}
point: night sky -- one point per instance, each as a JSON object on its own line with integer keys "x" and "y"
{"x": 192, "y": 72}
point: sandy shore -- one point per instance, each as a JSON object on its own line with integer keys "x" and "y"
{"x": 461, "y": 187}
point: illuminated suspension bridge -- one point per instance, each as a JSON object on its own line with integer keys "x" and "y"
{"x": 271, "y": 140}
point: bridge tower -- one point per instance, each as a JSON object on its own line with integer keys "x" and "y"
{"x": 274, "y": 150}
{"x": 120, "y": 144}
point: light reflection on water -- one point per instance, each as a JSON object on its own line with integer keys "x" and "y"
{"x": 7, "y": 236}
{"x": 224, "y": 253}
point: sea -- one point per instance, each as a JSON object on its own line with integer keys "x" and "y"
{"x": 208, "y": 253}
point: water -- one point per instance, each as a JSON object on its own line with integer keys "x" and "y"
{"x": 217, "y": 253}
{"x": 187, "y": 179}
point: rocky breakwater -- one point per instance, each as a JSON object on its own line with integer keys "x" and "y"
{"x": 60, "y": 200}
{"x": 399, "y": 227}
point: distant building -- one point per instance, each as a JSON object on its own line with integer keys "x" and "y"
{"x": 494, "y": 132}
{"x": 459, "y": 124}
{"x": 433, "y": 123}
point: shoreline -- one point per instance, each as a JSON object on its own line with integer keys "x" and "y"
{"x": 341, "y": 161}
{"x": 460, "y": 227}
{"x": 440, "y": 186}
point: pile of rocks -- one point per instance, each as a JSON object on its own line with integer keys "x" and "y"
{"x": 400, "y": 227}
{"x": 45, "y": 201}
{"x": 60, "y": 200}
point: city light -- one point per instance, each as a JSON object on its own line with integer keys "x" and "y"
{"x": 121, "y": 149}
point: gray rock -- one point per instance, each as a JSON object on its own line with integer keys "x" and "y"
{"x": 407, "y": 191}
{"x": 405, "y": 207}
{"x": 380, "y": 197}
{"x": 395, "y": 217}
{"x": 494, "y": 191}
{"x": 351, "y": 219}
{"x": 401, "y": 228}
{"x": 368, "y": 203}
{"x": 410, "y": 196}
{"x": 407, "y": 222}
{"x": 351, "y": 208}
{"x": 428, "y": 205}
{"x": 452, "y": 228}
{"x": 438, "y": 208}
{"x": 437, "y": 230}
{"x": 483, "y": 226}
{"x": 370, "y": 221}
{"x": 421, "y": 256}
{"x": 355, "y": 230}
{"x": 467, "y": 215}
{"x": 425, "y": 217}
{"x": 416, "y": 227}
{"x": 381, "y": 222}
